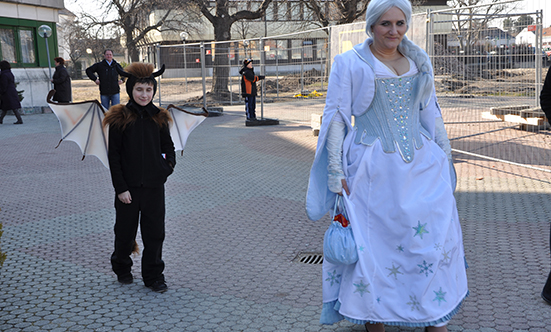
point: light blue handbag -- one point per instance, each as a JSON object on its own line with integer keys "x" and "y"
{"x": 339, "y": 246}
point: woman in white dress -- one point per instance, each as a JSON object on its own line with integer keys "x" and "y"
{"x": 393, "y": 167}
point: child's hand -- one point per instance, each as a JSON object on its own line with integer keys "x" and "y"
{"x": 125, "y": 197}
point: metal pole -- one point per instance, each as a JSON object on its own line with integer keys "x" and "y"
{"x": 49, "y": 65}
{"x": 262, "y": 72}
{"x": 159, "y": 66}
{"x": 538, "y": 55}
{"x": 302, "y": 69}
{"x": 185, "y": 62}
{"x": 277, "y": 70}
{"x": 203, "y": 74}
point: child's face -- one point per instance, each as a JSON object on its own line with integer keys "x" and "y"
{"x": 142, "y": 93}
{"x": 250, "y": 65}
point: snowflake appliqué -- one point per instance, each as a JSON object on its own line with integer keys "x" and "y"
{"x": 425, "y": 268}
{"x": 334, "y": 278}
{"x": 400, "y": 248}
{"x": 361, "y": 248}
{"x": 361, "y": 288}
{"x": 437, "y": 246}
{"x": 446, "y": 254}
{"x": 413, "y": 303}
{"x": 420, "y": 229}
{"x": 440, "y": 296}
{"x": 394, "y": 271}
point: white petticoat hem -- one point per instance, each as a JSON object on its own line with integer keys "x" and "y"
{"x": 330, "y": 315}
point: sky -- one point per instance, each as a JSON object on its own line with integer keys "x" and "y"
{"x": 534, "y": 5}
{"x": 525, "y": 6}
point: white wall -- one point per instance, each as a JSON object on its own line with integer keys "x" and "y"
{"x": 36, "y": 85}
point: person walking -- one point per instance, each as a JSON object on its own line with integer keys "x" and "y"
{"x": 394, "y": 170}
{"x": 141, "y": 157}
{"x": 8, "y": 93}
{"x": 248, "y": 88}
{"x": 545, "y": 102}
{"x": 62, "y": 82}
{"x": 107, "y": 78}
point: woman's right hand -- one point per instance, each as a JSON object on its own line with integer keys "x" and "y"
{"x": 345, "y": 187}
{"x": 125, "y": 197}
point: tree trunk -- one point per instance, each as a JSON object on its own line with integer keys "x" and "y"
{"x": 221, "y": 70}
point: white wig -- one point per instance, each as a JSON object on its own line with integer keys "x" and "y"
{"x": 375, "y": 10}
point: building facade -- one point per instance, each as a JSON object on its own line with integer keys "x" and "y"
{"x": 26, "y": 50}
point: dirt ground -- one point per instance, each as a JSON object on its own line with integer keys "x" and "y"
{"x": 503, "y": 82}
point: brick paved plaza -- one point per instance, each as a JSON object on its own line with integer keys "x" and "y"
{"x": 235, "y": 223}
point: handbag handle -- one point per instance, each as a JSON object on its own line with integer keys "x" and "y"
{"x": 335, "y": 208}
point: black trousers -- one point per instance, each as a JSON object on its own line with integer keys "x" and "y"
{"x": 546, "y": 293}
{"x": 15, "y": 112}
{"x": 148, "y": 210}
{"x": 250, "y": 107}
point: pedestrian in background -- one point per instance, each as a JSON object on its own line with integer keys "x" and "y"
{"x": 394, "y": 169}
{"x": 545, "y": 102}
{"x": 62, "y": 82}
{"x": 107, "y": 78}
{"x": 8, "y": 93}
{"x": 248, "y": 88}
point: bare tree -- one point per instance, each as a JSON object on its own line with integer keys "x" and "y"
{"x": 222, "y": 21}
{"x": 469, "y": 19}
{"x": 337, "y": 11}
{"x": 132, "y": 18}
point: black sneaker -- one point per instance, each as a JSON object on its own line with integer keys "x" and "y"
{"x": 158, "y": 286}
{"x": 126, "y": 279}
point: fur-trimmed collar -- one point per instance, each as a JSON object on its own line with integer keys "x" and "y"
{"x": 120, "y": 116}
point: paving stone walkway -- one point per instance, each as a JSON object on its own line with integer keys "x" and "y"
{"x": 235, "y": 223}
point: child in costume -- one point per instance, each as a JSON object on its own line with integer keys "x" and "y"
{"x": 141, "y": 157}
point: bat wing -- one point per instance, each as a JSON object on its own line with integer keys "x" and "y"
{"x": 184, "y": 123}
{"x": 82, "y": 123}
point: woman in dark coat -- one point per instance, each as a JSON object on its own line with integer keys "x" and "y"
{"x": 62, "y": 82}
{"x": 545, "y": 102}
{"x": 8, "y": 93}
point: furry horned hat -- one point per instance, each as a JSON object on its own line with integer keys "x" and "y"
{"x": 139, "y": 72}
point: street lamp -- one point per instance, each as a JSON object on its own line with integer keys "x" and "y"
{"x": 184, "y": 35}
{"x": 45, "y": 31}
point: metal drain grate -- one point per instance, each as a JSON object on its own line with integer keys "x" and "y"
{"x": 309, "y": 258}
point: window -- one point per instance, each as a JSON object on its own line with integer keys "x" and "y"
{"x": 270, "y": 12}
{"x": 18, "y": 46}
{"x": 26, "y": 40}
{"x": 296, "y": 49}
{"x": 321, "y": 48}
{"x": 296, "y": 11}
{"x": 7, "y": 40}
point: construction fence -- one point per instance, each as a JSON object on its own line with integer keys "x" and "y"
{"x": 487, "y": 78}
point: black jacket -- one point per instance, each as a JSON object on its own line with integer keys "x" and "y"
{"x": 8, "y": 92}
{"x": 136, "y": 147}
{"x": 545, "y": 96}
{"x": 248, "y": 82}
{"x": 62, "y": 84}
{"x": 108, "y": 76}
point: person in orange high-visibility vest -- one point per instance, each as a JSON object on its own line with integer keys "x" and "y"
{"x": 248, "y": 88}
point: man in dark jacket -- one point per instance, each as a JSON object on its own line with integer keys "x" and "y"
{"x": 248, "y": 88}
{"x": 545, "y": 102}
{"x": 141, "y": 157}
{"x": 62, "y": 82}
{"x": 107, "y": 78}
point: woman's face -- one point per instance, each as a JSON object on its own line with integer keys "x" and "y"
{"x": 389, "y": 29}
{"x": 142, "y": 93}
